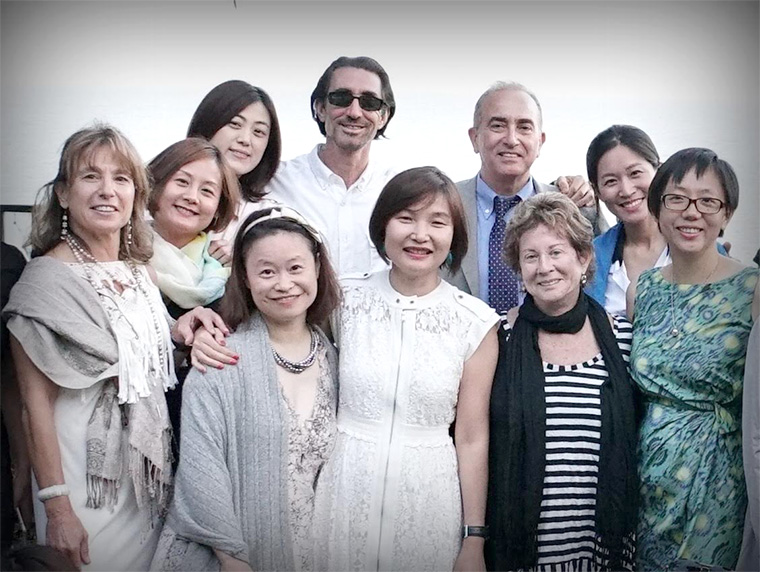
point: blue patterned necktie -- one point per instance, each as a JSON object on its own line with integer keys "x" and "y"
{"x": 502, "y": 281}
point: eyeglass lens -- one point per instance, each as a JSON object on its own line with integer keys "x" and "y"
{"x": 705, "y": 205}
{"x": 343, "y": 98}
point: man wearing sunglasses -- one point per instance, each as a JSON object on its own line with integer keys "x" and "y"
{"x": 336, "y": 185}
{"x": 508, "y": 134}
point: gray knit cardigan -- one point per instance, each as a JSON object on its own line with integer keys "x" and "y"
{"x": 231, "y": 489}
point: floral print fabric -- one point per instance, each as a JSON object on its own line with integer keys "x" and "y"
{"x": 693, "y": 493}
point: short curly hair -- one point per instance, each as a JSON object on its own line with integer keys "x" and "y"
{"x": 557, "y": 212}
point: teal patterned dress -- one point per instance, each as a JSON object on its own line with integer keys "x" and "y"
{"x": 693, "y": 494}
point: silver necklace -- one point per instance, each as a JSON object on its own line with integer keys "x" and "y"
{"x": 304, "y": 364}
{"x": 80, "y": 253}
{"x": 674, "y": 328}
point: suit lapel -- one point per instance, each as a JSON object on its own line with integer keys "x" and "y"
{"x": 470, "y": 262}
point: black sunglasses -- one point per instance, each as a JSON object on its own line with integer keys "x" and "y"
{"x": 344, "y": 98}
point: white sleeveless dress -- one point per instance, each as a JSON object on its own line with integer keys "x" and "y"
{"x": 389, "y": 497}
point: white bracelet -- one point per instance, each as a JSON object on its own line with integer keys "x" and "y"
{"x": 51, "y": 492}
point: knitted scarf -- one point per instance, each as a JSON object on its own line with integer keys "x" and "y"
{"x": 189, "y": 276}
{"x": 517, "y": 454}
{"x": 58, "y": 319}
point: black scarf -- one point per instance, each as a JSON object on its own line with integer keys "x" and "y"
{"x": 517, "y": 457}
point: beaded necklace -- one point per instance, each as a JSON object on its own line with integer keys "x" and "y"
{"x": 88, "y": 262}
{"x": 304, "y": 364}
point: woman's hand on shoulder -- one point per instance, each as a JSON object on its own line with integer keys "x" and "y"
{"x": 470, "y": 556}
{"x": 65, "y": 531}
{"x": 221, "y": 249}
{"x": 577, "y": 189}
{"x": 184, "y": 329}
{"x": 209, "y": 350}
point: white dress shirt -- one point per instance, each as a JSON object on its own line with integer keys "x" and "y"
{"x": 341, "y": 214}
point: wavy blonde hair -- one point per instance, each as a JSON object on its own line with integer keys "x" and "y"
{"x": 79, "y": 149}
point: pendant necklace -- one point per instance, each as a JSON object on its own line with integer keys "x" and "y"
{"x": 304, "y": 364}
{"x": 86, "y": 259}
{"x": 674, "y": 328}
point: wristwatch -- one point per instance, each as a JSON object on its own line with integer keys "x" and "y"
{"x": 481, "y": 531}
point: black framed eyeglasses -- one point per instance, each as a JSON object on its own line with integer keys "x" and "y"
{"x": 344, "y": 98}
{"x": 705, "y": 205}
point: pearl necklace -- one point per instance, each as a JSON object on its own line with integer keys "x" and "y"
{"x": 80, "y": 253}
{"x": 304, "y": 364}
{"x": 675, "y": 332}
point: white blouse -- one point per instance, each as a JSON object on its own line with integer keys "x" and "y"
{"x": 618, "y": 282}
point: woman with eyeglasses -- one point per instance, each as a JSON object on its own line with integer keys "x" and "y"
{"x": 621, "y": 162}
{"x": 692, "y": 319}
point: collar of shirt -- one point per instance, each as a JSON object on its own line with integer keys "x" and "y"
{"x": 485, "y": 195}
{"x": 325, "y": 177}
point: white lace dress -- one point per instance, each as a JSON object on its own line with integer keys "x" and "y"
{"x": 389, "y": 498}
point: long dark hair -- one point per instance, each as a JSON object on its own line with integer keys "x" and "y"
{"x": 628, "y": 136}
{"x": 237, "y": 304}
{"x": 217, "y": 109}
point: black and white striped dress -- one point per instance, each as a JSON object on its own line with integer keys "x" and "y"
{"x": 566, "y": 526}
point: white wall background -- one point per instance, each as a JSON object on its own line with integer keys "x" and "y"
{"x": 685, "y": 72}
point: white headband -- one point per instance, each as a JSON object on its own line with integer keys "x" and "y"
{"x": 289, "y": 214}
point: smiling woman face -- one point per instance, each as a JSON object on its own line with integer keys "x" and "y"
{"x": 188, "y": 202}
{"x": 551, "y": 269}
{"x": 245, "y": 137}
{"x": 691, "y": 231}
{"x": 281, "y": 273}
{"x": 99, "y": 198}
{"x": 623, "y": 181}
{"x": 418, "y": 239}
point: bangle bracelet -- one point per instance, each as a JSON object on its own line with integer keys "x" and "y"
{"x": 481, "y": 531}
{"x": 52, "y": 492}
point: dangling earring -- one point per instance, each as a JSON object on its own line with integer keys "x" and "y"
{"x": 129, "y": 233}
{"x": 523, "y": 289}
{"x": 449, "y": 259}
{"x": 584, "y": 279}
{"x": 381, "y": 249}
{"x": 64, "y": 225}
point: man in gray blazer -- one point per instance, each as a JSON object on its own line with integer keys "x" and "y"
{"x": 507, "y": 133}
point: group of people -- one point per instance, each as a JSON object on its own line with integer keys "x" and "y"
{"x": 230, "y": 362}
